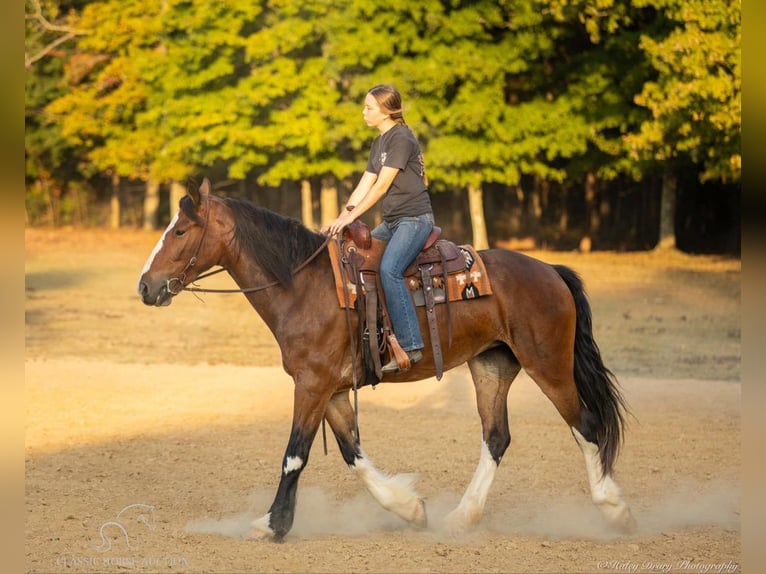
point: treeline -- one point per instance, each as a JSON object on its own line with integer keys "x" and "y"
{"x": 591, "y": 123}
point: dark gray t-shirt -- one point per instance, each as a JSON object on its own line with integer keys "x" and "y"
{"x": 408, "y": 195}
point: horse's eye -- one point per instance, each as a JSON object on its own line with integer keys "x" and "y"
{"x": 180, "y": 232}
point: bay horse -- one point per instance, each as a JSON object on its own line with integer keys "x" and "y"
{"x": 538, "y": 318}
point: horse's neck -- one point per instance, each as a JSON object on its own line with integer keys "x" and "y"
{"x": 249, "y": 276}
{"x": 274, "y": 302}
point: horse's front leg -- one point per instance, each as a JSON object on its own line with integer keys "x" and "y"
{"x": 395, "y": 493}
{"x": 308, "y": 411}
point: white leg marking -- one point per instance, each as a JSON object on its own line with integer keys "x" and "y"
{"x": 292, "y": 464}
{"x": 394, "y": 492}
{"x": 603, "y": 489}
{"x": 157, "y": 248}
{"x": 471, "y": 507}
{"x": 261, "y": 528}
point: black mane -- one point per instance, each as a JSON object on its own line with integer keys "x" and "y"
{"x": 278, "y": 244}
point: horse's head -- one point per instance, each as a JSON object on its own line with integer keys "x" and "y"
{"x": 189, "y": 247}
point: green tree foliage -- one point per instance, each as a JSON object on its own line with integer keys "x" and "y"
{"x": 162, "y": 103}
{"x": 297, "y": 124}
{"x": 496, "y": 90}
{"x": 695, "y": 96}
{"x": 597, "y": 67}
{"x": 100, "y": 108}
{"x": 51, "y": 158}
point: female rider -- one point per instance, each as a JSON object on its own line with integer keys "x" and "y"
{"x": 395, "y": 172}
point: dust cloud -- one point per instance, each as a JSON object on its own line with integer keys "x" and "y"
{"x": 319, "y": 514}
{"x": 690, "y": 506}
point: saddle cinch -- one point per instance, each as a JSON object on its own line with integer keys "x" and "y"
{"x": 442, "y": 272}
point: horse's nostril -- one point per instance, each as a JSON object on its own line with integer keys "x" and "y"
{"x": 143, "y": 289}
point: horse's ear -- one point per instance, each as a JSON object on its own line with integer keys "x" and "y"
{"x": 197, "y": 195}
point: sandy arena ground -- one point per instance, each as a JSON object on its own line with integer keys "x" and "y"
{"x": 154, "y": 436}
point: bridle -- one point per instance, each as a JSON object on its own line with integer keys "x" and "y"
{"x": 179, "y": 282}
{"x": 181, "y": 279}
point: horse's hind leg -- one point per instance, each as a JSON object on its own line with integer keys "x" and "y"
{"x": 605, "y": 493}
{"x": 493, "y": 372}
{"x": 395, "y": 493}
{"x": 567, "y": 367}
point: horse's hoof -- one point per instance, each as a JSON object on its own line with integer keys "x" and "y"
{"x": 455, "y": 523}
{"x": 260, "y": 529}
{"x": 420, "y": 518}
{"x": 256, "y": 534}
{"x": 626, "y": 523}
{"x": 461, "y": 520}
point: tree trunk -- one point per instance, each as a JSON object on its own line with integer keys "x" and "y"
{"x": 591, "y": 214}
{"x": 605, "y": 217}
{"x": 151, "y": 205}
{"x": 564, "y": 210}
{"x": 478, "y": 224}
{"x": 177, "y": 192}
{"x": 534, "y": 209}
{"x": 544, "y": 194}
{"x": 307, "y": 207}
{"x": 667, "y": 238}
{"x": 516, "y": 211}
{"x": 51, "y": 203}
{"x": 457, "y": 221}
{"x": 114, "y": 203}
{"x": 328, "y": 200}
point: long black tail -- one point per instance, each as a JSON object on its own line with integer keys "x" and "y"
{"x": 603, "y": 418}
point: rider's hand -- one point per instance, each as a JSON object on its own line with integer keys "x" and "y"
{"x": 340, "y": 222}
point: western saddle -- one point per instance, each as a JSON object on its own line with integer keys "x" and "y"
{"x": 357, "y": 258}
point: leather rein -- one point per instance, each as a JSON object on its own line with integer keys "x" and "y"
{"x": 173, "y": 281}
{"x": 252, "y": 289}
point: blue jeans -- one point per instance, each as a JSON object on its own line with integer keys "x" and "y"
{"x": 405, "y": 238}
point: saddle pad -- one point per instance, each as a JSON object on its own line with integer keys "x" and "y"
{"x": 468, "y": 283}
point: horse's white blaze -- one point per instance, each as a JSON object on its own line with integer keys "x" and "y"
{"x": 603, "y": 489}
{"x": 394, "y": 492}
{"x": 157, "y": 248}
{"x": 292, "y": 463}
{"x": 471, "y": 506}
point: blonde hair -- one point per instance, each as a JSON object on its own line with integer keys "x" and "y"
{"x": 390, "y": 100}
